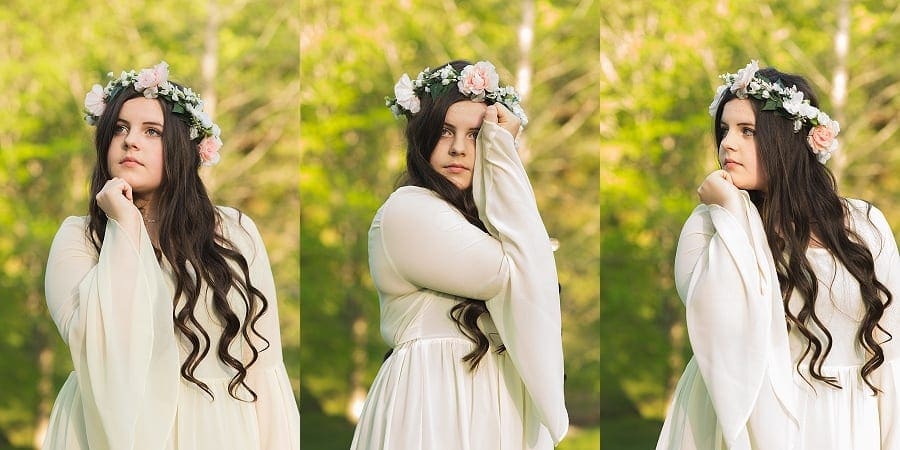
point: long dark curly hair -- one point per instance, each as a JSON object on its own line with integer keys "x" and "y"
{"x": 191, "y": 240}
{"x": 801, "y": 202}
{"x": 422, "y": 134}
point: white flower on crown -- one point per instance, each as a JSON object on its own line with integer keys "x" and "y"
{"x": 406, "y": 94}
{"x": 714, "y": 106}
{"x": 744, "y": 78}
{"x": 93, "y": 101}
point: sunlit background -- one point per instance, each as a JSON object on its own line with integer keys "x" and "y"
{"x": 242, "y": 57}
{"x": 618, "y": 141}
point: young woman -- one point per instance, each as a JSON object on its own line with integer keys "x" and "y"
{"x": 466, "y": 279}
{"x": 789, "y": 288}
{"x": 166, "y": 302}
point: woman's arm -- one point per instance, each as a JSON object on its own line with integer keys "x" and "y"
{"x": 527, "y": 309}
{"x": 114, "y": 310}
{"x": 427, "y": 242}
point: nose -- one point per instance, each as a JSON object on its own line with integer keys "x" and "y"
{"x": 458, "y": 146}
{"x": 727, "y": 144}
{"x": 129, "y": 140}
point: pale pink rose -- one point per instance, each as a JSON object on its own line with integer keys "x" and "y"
{"x": 93, "y": 101}
{"x": 744, "y": 77}
{"x": 820, "y": 139}
{"x": 478, "y": 79}
{"x": 209, "y": 150}
{"x": 149, "y": 80}
{"x": 406, "y": 94}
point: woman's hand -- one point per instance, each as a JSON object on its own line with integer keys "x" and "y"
{"x": 718, "y": 189}
{"x": 115, "y": 199}
{"x": 497, "y": 113}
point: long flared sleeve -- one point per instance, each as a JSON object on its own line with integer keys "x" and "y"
{"x": 276, "y": 408}
{"x": 114, "y": 310}
{"x": 526, "y": 311}
{"x": 725, "y": 275}
{"x": 874, "y": 229}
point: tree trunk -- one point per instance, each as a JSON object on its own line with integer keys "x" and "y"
{"x": 839, "y": 79}
{"x": 44, "y": 359}
{"x": 209, "y": 66}
{"x": 525, "y": 70}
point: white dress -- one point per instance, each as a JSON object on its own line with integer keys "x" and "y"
{"x": 114, "y": 310}
{"x": 424, "y": 256}
{"x": 741, "y": 390}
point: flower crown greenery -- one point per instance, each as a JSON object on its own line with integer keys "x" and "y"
{"x": 153, "y": 83}
{"x": 786, "y": 101}
{"x": 479, "y": 81}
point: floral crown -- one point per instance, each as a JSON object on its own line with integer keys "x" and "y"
{"x": 786, "y": 101}
{"x": 154, "y": 83}
{"x": 479, "y": 81}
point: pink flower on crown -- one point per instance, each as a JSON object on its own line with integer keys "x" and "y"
{"x": 93, "y": 101}
{"x": 149, "y": 80}
{"x": 821, "y": 139}
{"x": 209, "y": 150}
{"x": 478, "y": 79}
{"x": 744, "y": 77}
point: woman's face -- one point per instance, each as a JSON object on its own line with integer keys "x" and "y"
{"x": 454, "y": 155}
{"x": 136, "y": 151}
{"x": 738, "y": 152}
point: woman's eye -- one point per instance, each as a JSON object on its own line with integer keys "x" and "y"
{"x": 749, "y": 131}
{"x": 120, "y": 129}
{"x": 154, "y": 132}
{"x": 445, "y": 132}
{"x": 472, "y": 135}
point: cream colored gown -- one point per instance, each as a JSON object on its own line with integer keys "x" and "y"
{"x": 741, "y": 390}
{"x": 114, "y": 310}
{"x": 424, "y": 256}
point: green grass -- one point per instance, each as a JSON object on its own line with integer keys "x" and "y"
{"x": 581, "y": 439}
{"x": 321, "y": 432}
{"x": 629, "y": 433}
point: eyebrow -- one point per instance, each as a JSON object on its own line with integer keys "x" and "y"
{"x": 741, "y": 124}
{"x": 453, "y": 128}
{"x": 143, "y": 123}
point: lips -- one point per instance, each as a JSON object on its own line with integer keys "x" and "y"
{"x": 731, "y": 162}
{"x": 456, "y": 168}
{"x": 130, "y": 162}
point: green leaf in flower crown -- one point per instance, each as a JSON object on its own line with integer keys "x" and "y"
{"x": 771, "y": 105}
{"x": 439, "y": 89}
{"x": 178, "y": 108}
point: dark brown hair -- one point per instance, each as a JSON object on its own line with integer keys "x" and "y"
{"x": 190, "y": 238}
{"x": 422, "y": 134}
{"x": 801, "y": 201}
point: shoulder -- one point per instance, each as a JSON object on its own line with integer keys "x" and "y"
{"x": 235, "y": 218}
{"x": 413, "y": 201}
{"x": 415, "y": 209}
{"x": 73, "y": 226}
{"x": 72, "y": 236}
{"x": 238, "y": 227}
{"x": 75, "y": 222}
{"x": 862, "y": 209}
{"x": 699, "y": 220}
{"x": 865, "y": 218}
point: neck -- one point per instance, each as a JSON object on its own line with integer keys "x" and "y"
{"x": 148, "y": 209}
